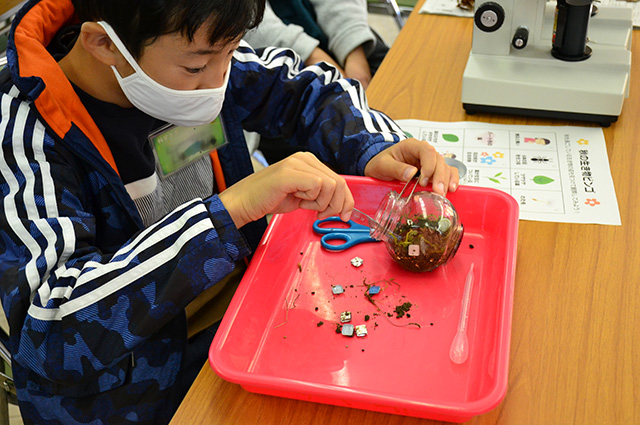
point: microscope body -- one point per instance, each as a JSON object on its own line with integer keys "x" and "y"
{"x": 565, "y": 59}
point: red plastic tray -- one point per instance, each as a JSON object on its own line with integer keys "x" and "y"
{"x": 271, "y": 340}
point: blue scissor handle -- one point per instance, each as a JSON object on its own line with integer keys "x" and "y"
{"x": 352, "y": 235}
{"x": 353, "y": 226}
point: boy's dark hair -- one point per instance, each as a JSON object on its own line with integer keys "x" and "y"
{"x": 139, "y": 22}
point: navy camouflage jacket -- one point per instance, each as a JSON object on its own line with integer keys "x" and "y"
{"x": 95, "y": 301}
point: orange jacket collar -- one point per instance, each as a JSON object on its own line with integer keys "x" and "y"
{"x": 57, "y": 102}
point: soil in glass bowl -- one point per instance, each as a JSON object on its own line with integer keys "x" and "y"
{"x": 421, "y": 243}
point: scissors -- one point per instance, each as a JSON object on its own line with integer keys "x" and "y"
{"x": 352, "y": 235}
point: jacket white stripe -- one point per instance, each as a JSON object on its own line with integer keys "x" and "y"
{"x": 14, "y": 91}
{"x": 377, "y": 116}
{"x": 49, "y": 193}
{"x": 357, "y": 101}
{"x": 122, "y": 280}
{"x": 37, "y": 146}
{"x": 65, "y": 292}
{"x": 269, "y": 61}
{"x": 35, "y": 280}
{"x": 19, "y": 126}
{"x": 385, "y": 123}
{"x": 93, "y": 270}
{"x": 10, "y": 208}
{"x": 48, "y": 186}
{"x": 357, "y": 95}
{"x": 158, "y": 236}
{"x": 50, "y": 254}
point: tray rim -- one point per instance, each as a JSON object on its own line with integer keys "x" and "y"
{"x": 306, "y": 390}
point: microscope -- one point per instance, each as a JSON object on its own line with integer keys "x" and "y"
{"x": 565, "y": 59}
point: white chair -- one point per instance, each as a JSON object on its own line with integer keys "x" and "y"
{"x": 395, "y": 9}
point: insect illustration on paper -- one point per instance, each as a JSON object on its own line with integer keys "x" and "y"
{"x": 541, "y": 159}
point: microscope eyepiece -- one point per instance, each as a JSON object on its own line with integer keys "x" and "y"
{"x": 570, "y": 31}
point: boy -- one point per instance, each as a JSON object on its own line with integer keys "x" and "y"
{"x": 105, "y": 243}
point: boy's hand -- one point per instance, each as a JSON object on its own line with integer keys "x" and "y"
{"x": 403, "y": 160}
{"x": 299, "y": 181}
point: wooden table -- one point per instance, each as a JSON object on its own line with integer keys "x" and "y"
{"x": 575, "y": 344}
{"x": 8, "y": 5}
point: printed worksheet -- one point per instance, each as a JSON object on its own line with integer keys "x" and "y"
{"x": 558, "y": 174}
{"x": 450, "y": 7}
{"x": 444, "y": 7}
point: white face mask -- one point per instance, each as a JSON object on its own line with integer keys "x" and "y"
{"x": 187, "y": 108}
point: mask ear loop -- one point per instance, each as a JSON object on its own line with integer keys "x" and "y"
{"x": 136, "y": 67}
{"x": 111, "y": 33}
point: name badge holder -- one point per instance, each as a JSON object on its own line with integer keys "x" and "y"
{"x": 176, "y": 147}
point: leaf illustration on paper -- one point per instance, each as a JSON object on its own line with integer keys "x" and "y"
{"x": 450, "y": 137}
{"x": 543, "y": 180}
{"x": 496, "y": 177}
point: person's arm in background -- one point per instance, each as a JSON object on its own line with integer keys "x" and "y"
{"x": 273, "y": 32}
{"x": 319, "y": 55}
{"x": 356, "y": 66}
{"x": 345, "y": 22}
